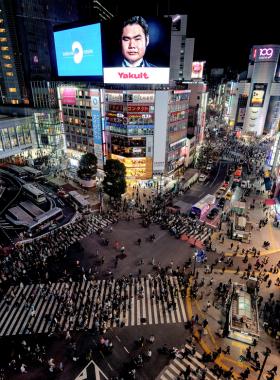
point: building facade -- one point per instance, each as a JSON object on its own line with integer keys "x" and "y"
{"x": 17, "y": 136}
{"x": 27, "y": 44}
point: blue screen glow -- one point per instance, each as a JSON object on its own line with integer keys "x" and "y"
{"x": 79, "y": 51}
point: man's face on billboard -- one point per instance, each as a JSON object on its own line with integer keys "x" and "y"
{"x": 134, "y": 43}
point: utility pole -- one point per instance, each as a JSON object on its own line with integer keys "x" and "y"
{"x": 267, "y": 353}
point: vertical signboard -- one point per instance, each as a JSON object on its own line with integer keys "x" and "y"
{"x": 160, "y": 130}
{"x": 96, "y": 125}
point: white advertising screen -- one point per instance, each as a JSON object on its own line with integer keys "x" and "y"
{"x": 141, "y": 75}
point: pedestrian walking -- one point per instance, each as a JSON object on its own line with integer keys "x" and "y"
{"x": 152, "y": 339}
{"x": 237, "y": 270}
{"x": 227, "y": 350}
{"x": 223, "y": 269}
{"x": 139, "y": 241}
{"x": 208, "y": 305}
{"x": 141, "y": 340}
{"x": 116, "y": 245}
{"x": 149, "y": 354}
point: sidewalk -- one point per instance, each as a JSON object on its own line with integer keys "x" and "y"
{"x": 268, "y": 233}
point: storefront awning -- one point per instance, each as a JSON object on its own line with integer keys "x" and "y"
{"x": 269, "y": 202}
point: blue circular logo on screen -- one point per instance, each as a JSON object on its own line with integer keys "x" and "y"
{"x": 76, "y": 51}
{"x": 94, "y": 101}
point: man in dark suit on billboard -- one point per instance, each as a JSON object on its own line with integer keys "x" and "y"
{"x": 134, "y": 40}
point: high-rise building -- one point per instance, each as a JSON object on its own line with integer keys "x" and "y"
{"x": 27, "y": 46}
{"x": 181, "y": 54}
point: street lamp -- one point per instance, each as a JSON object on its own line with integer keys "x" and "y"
{"x": 195, "y": 256}
{"x": 266, "y": 354}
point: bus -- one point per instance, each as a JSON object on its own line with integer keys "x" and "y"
{"x": 33, "y": 193}
{"x": 43, "y": 221}
{"x": 79, "y": 202}
{"x": 202, "y": 207}
{"x": 19, "y": 172}
{"x": 33, "y": 173}
{"x": 237, "y": 176}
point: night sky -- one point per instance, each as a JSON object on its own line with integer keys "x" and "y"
{"x": 224, "y": 31}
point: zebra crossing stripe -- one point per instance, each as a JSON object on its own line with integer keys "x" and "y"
{"x": 132, "y": 303}
{"x": 149, "y": 305}
{"x": 23, "y": 313}
{"x": 47, "y": 311}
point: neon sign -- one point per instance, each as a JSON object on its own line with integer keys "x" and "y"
{"x": 266, "y": 53}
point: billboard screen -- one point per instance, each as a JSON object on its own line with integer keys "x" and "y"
{"x": 78, "y": 51}
{"x": 197, "y": 69}
{"x": 258, "y": 95}
{"x": 136, "y": 50}
{"x": 241, "y": 115}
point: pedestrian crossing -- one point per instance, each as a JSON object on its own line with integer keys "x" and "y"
{"x": 135, "y": 306}
{"x": 179, "y": 365}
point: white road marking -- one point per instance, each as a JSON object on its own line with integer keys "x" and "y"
{"x": 126, "y": 350}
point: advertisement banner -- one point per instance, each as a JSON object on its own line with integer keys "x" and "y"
{"x": 113, "y": 107}
{"x": 143, "y": 98}
{"x": 130, "y": 126}
{"x": 241, "y": 115}
{"x": 68, "y": 95}
{"x": 114, "y": 97}
{"x": 138, "y": 108}
{"x": 197, "y": 70}
{"x": 135, "y": 50}
{"x": 79, "y": 51}
{"x": 96, "y": 125}
{"x": 258, "y": 95}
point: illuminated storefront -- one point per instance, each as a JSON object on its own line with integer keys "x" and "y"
{"x": 129, "y": 127}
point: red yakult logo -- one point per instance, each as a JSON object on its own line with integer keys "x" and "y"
{"x": 133, "y": 76}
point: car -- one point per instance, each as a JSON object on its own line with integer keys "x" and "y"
{"x": 38, "y": 165}
{"x": 225, "y": 185}
{"x": 206, "y": 172}
{"x": 56, "y": 187}
{"x": 219, "y": 193}
{"x": 214, "y": 212}
{"x": 43, "y": 181}
{"x": 202, "y": 177}
{"x": 62, "y": 194}
{"x": 210, "y": 161}
{"x": 243, "y": 184}
{"x": 239, "y": 167}
{"x": 229, "y": 195}
{"x": 222, "y": 202}
{"x": 209, "y": 167}
{"x": 232, "y": 168}
{"x": 241, "y": 161}
{"x": 227, "y": 178}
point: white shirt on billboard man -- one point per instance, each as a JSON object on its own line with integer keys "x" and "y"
{"x": 134, "y": 40}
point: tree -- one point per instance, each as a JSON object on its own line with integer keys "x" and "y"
{"x": 114, "y": 183}
{"x": 87, "y": 166}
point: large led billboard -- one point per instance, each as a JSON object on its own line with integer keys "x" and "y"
{"x": 197, "y": 70}
{"x": 258, "y": 95}
{"x": 136, "y": 50}
{"x": 78, "y": 51}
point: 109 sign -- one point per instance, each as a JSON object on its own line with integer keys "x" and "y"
{"x": 266, "y": 53}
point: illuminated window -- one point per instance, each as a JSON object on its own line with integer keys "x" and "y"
{"x": 43, "y": 67}
{"x": 2, "y": 30}
{"x": 5, "y": 48}
{"x": 14, "y": 101}
{"x": 1, "y": 21}
{"x": 26, "y": 101}
{"x": 6, "y": 57}
{"x": 10, "y": 74}
{"x": 12, "y": 89}
{"x": 3, "y": 39}
{"x": 45, "y": 45}
{"x": 8, "y": 65}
